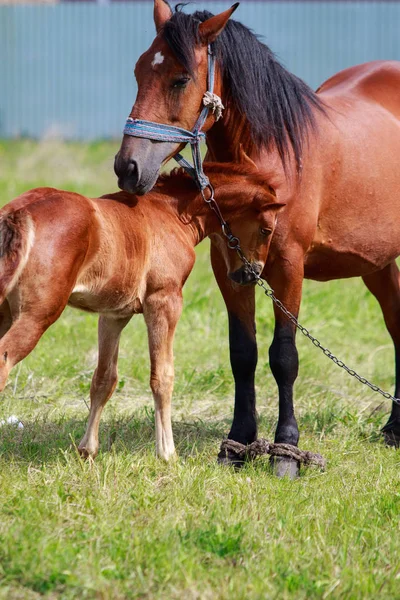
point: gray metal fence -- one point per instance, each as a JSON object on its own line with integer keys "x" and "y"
{"x": 67, "y": 69}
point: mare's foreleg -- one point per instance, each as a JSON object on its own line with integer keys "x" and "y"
{"x": 240, "y": 304}
{"x": 287, "y": 282}
{"x": 161, "y": 312}
{"x": 104, "y": 380}
{"x": 385, "y": 286}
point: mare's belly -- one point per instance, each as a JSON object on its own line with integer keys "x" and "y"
{"x": 324, "y": 262}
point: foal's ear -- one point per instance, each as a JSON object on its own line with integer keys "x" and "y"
{"x": 245, "y": 159}
{"x": 274, "y": 206}
{"x": 162, "y": 14}
{"x": 209, "y": 30}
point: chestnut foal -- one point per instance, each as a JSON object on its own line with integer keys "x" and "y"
{"x": 119, "y": 255}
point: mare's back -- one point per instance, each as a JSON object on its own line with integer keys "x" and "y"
{"x": 377, "y": 81}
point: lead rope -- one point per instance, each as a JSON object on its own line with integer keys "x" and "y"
{"x": 233, "y": 450}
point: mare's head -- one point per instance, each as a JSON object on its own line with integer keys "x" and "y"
{"x": 251, "y": 208}
{"x": 171, "y": 87}
{"x": 266, "y": 107}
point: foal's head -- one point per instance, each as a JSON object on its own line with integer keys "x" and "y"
{"x": 170, "y": 91}
{"x": 251, "y": 208}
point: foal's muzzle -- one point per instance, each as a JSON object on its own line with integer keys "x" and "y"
{"x": 243, "y": 276}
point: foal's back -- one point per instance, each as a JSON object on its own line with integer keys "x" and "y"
{"x": 101, "y": 255}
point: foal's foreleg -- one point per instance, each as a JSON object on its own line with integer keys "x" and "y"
{"x": 240, "y": 304}
{"x": 162, "y": 312}
{"x": 104, "y": 380}
{"x": 385, "y": 286}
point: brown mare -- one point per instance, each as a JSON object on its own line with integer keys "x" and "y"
{"x": 332, "y": 158}
{"x": 117, "y": 256}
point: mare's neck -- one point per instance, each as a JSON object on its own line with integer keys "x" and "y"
{"x": 228, "y": 135}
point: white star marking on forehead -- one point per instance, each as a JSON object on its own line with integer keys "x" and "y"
{"x": 158, "y": 59}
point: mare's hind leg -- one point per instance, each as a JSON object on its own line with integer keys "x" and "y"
{"x": 240, "y": 304}
{"x": 385, "y": 286}
{"x": 104, "y": 380}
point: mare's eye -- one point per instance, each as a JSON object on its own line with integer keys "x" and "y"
{"x": 264, "y": 231}
{"x": 181, "y": 82}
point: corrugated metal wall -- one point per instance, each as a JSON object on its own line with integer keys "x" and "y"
{"x": 67, "y": 69}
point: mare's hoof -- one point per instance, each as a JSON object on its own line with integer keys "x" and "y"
{"x": 391, "y": 434}
{"x": 285, "y": 467}
{"x": 230, "y": 459}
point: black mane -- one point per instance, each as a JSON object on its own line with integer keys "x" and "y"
{"x": 277, "y": 105}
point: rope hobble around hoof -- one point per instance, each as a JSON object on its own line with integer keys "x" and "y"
{"x": 281, "y": 454}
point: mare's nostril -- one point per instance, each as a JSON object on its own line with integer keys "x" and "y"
{"x": 127, "y": 172}
{"x": 132, "y": 168}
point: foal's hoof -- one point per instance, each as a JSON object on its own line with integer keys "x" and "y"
{"x": 391, "y": 434}
{"x": 285, "y": 467}
{"x": 230, "y": 459}
{"x": 86, "y": 454}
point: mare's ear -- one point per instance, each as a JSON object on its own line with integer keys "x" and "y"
{"x": 209, "y": 30}
{"x": 162, "y": 14}
{"x": 245, "y": 159}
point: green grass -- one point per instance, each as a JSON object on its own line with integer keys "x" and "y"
{"x": 129, "y": 526}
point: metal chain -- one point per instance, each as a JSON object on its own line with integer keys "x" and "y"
{"x": 233, "y": 243}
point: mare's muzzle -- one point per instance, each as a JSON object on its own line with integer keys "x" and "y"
{"x": 138, "y": 163}
{"x": 244, "y": 276}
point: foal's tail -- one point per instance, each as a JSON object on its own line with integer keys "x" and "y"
{"x": 16, "y": 240}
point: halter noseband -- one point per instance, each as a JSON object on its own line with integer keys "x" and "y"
{"x": 170, "y": 133}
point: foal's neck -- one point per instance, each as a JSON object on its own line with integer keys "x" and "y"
{"x": 192, "y": 213}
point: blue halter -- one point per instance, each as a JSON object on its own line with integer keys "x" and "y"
{"x": 170, "y": 133}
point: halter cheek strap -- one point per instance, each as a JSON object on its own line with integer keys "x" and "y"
{"x": 169, "y": 133}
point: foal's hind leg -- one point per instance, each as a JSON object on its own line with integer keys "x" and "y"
{"x": 104, "y": 380}
{"x": 240, "y": 304}
{"x": 20, "y": 339}
{"x": 385, "y": 286}
{"x": 5, "y": 318}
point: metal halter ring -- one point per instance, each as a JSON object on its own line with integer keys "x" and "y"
{"x": 211, "y": 198}
{"x": 233, "y": 243}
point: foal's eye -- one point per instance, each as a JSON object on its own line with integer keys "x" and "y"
{"x": 181, "y": 82}
{"x": 264, "y": 231}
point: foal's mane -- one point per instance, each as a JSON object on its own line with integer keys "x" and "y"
{"x": 179, "y": 183}
{"x": 277, "y": 105}
{"x": 178, "y": 177}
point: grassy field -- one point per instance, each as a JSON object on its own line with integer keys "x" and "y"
{"x": 129, "y": 526}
